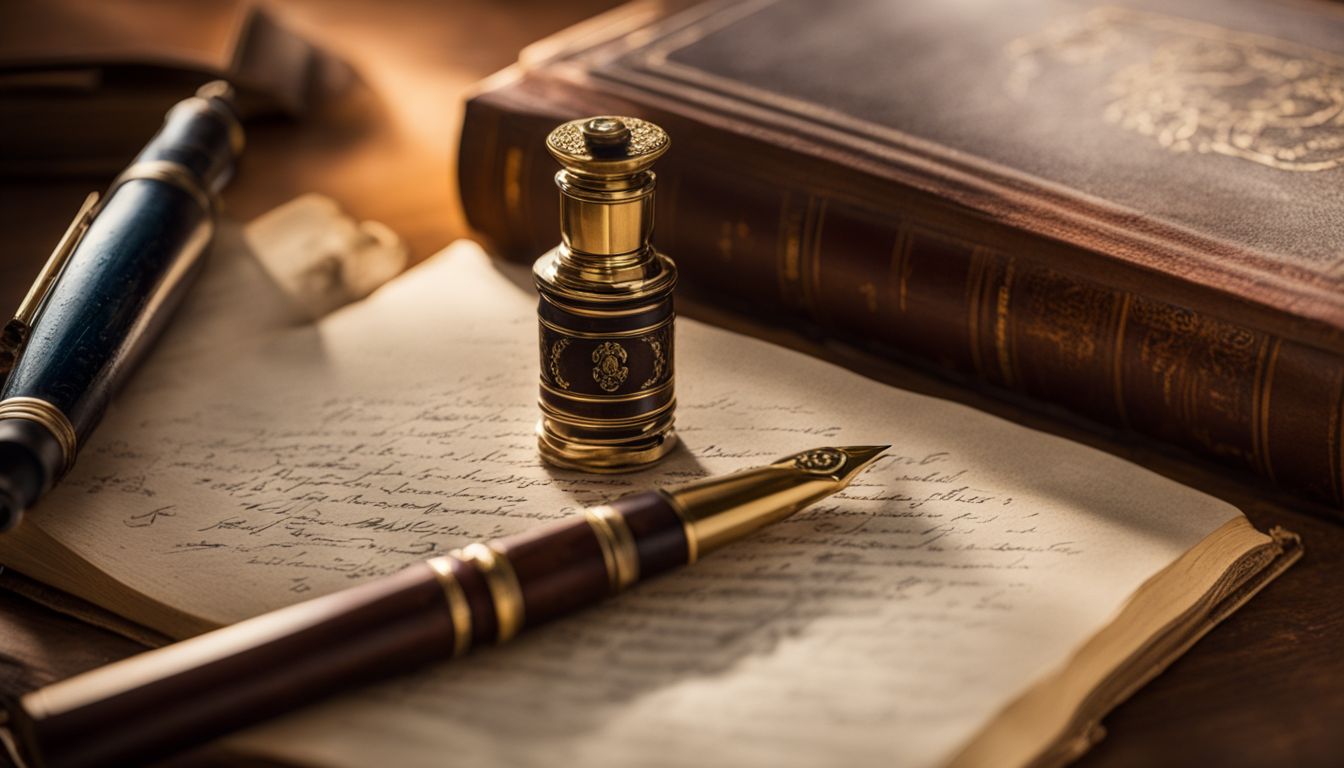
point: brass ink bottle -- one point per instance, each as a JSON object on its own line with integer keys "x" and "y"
{"x": 606, "y": 316}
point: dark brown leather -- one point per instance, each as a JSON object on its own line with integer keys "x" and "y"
{"x": 904, "y": 191}
{"x": 315, "y": 649}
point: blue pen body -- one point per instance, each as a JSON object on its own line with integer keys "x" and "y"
{"x": 117, "y": 290}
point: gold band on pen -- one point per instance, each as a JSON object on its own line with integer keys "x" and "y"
{"x": 42, "y": 412}
{"x": 503, "y": 585}
{"x": 169, "y": 172}
{"x": 458, "y": 608}
{"x": 619, "y": 553}
{"x": 692, "y": 540}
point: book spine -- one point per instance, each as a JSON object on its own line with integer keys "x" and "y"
{"x": 906, "y": 274}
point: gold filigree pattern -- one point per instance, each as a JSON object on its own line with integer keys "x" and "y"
{"x": 557, "y": 349}
{"x": 1194, "y": 87}
{"x": 645, "y": 137}
{"x": 610, "y": 371}
{"x": 659, "y": 360}
{"x": 819, "y": 460}
{"x": 1200, "y": 365}
{"x": 1069, "y": 315}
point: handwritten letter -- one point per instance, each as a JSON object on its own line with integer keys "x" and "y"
{"x": 883, "y": 626}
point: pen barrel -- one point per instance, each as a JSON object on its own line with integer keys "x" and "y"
{"x": 556, "y": 569}
{"x": 116, "y": 292}
{"x": 185, "y": 694}
{"x": 118, "y": 287}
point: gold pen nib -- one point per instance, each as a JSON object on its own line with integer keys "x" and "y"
{"x": 840, "y": 464}
{"x": 724, "y": 509}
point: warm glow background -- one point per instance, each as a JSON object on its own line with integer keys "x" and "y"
{"x": 385, "y": 148}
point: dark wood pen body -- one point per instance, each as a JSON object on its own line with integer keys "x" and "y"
{"x": 659, "y": 532}
{"x": 188, "y": 693}
{"x": 560, "y": 567}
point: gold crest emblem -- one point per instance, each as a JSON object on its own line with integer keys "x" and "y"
{"x": 610, "y": 371}
{"x": 1193, "y": 87}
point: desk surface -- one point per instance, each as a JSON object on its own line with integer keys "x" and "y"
{"x": 1265, "y": 688}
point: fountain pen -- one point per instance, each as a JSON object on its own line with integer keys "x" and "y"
{"x": 108, "y": 288}
{"x": 182, "y": 695}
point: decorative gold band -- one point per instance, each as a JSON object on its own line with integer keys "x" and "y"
{"x": 564, "y": 417}
{"x": 169, "y": 172}
{"x": 44, "y": 413}
{"x": 664, "y": 388}
{"x": 631, "y": 333}
{"x": 458, "y": 607}
{"x": 692, "y": 541}
{"x": 605, "y": 314}
{"x": 503, "y": 584}
{"x": 617, "y": 544}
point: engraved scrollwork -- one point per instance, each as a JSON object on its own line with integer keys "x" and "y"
{"x": 659, "y": 360}
{"x": 1195, "y": 87}
{"x": 645, "y": 137}
{"x": 557, "y": 349}
{"x": 609, "y": 370}
{"x": 819, "y": 460}
{"x": 1202, "y": 365}
{"x": 1069, "y": 315}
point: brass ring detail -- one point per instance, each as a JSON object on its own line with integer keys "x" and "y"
{"x": 458, "y": 607}
{"x": 168, "y": 172}
{"x": 600, "y": 313}
{"x": 49, "y": 416}
{"x": 664, "y": 388}
{"x": 555, "y": 414}
{"x": 618, "y": 546}
{"x": 503, "y": 585}
{"x": 626, "y": 334}
{"x": 692, "y": 541}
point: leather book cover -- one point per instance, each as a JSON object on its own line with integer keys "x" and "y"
{"x": 1127, "y": 209}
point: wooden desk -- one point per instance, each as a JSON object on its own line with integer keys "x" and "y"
{"x": 1264, "y": 689}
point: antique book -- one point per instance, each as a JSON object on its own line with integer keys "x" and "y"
{"x": 1130, "y": 209}
{"x": 981, "y": 597}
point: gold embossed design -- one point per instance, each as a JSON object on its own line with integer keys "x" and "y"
{"x": 821, "y": 460}
{"x": 1194, "y": 87}
{"x": 610, "y": 371}
{"x": 1201, "y": 365}
{"x": 659, "y": 360}
{"x": 1069, "y": 316}
{"x": 557, "y": 349}
{"x": 645, "y": 137}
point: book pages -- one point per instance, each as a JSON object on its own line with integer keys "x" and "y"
{"x": 883, "y": 626}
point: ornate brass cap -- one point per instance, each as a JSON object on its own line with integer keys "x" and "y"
{"x": 607, "y": 145}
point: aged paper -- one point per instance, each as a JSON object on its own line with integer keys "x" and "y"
{"x": 883, "y": 626}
